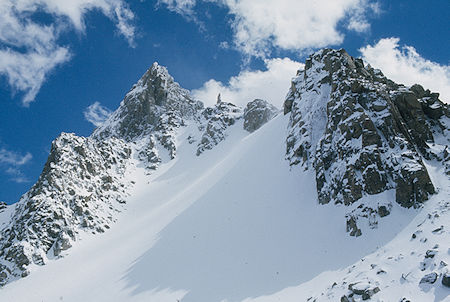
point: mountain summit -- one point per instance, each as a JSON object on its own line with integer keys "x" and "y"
{"x": 169, "y": 200}
{"x": 153, "y": 99}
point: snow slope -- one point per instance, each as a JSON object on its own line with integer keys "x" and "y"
{"x": 398, "y": 267}
{"x": 234, "y": 223}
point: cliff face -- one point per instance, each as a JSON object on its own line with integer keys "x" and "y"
{"x": 362, "y": 133}
{"x": 81, "y": 187}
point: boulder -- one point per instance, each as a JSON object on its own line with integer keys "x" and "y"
{"x": 446, "y": 279}
{"x": 257, "y": 113}
{"x": 365, "y": 290}
{"x": 429, "y": 278}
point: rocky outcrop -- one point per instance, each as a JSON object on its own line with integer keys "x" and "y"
{"x": 257, "y": 113}
{"x": 215, "y": 120}
{"x": 156, "y": 106}
{"x": 362, "y": 133}
{"x": 81, "y": 188}
{"x": 429, "y": 278}
{"x": 360, "y": 290}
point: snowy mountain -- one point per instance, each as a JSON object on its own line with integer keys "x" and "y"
{"x": 364, "y": 134}
{"x": 344, "y": 197}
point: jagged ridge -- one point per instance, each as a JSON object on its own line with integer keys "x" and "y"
{"x": 83, "y": 185}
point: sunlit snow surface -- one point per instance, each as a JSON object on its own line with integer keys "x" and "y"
{"x": 233, "y": 224}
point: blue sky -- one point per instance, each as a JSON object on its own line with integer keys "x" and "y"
{"x": 63, "y": 63}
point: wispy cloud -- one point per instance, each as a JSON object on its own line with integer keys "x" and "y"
{"x": 16, "y": 175}
{"x": 96, "y": 114}
{"x": 405, "y": 65}
{"x": 30, "y": 50}
{"x": 270, "y": 84}
{"x": 182, "y": 7}
{"x": 12, "y": 161}
{"x": 13, "y": 158}
{"x": 295, "y": 25}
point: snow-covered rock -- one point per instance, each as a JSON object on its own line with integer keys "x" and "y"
{"x": 362, "y": 133}
{"x": 154, "y": 108}
{"x": 82, "y": 187}
{"x": 215, "y": 121}
{"x": 143, "y": 107}
{"x": 257, "y": 113}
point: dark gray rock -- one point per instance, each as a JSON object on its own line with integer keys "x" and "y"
{"x": 413, "y": 185}
{"x": 418, "y": 90}
{"x": 366, "y": 291}
{"x": 429, "y": 279}
{"x": 345, "y": 298}
{"x": 383, "y": 211}
{"x": 257, "y": 113}
{"x": 287, "y": 106}
{"x": 352, "y": 227}
{"x": 369, "y": 293}
{"x": 446, "y": 279}
{"x": 430, "y": 253}
{"x": 412, "y": 114}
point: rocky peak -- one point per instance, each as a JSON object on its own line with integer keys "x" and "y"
{"x": 152, "y": 111}
{"x": 155, "y": 94}
{"x": 362, "y": 133}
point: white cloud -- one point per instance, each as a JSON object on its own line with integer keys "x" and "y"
{"x": 404, "y": 65}
{"x": 357, "y": 17}
{"x": 12, "y": 161}
{"x": 16, "y": 175}
{"x": 271, "y": 85}
{"x": 27, "y": 71}
{"x": 294, "y": 25}
{"x": 182, "y": 7}
{"x": 13, "y": 158}
{"x": 96, "y": 114}
{"x": 30, "y": 50}
{"x": 224, "y": 45}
